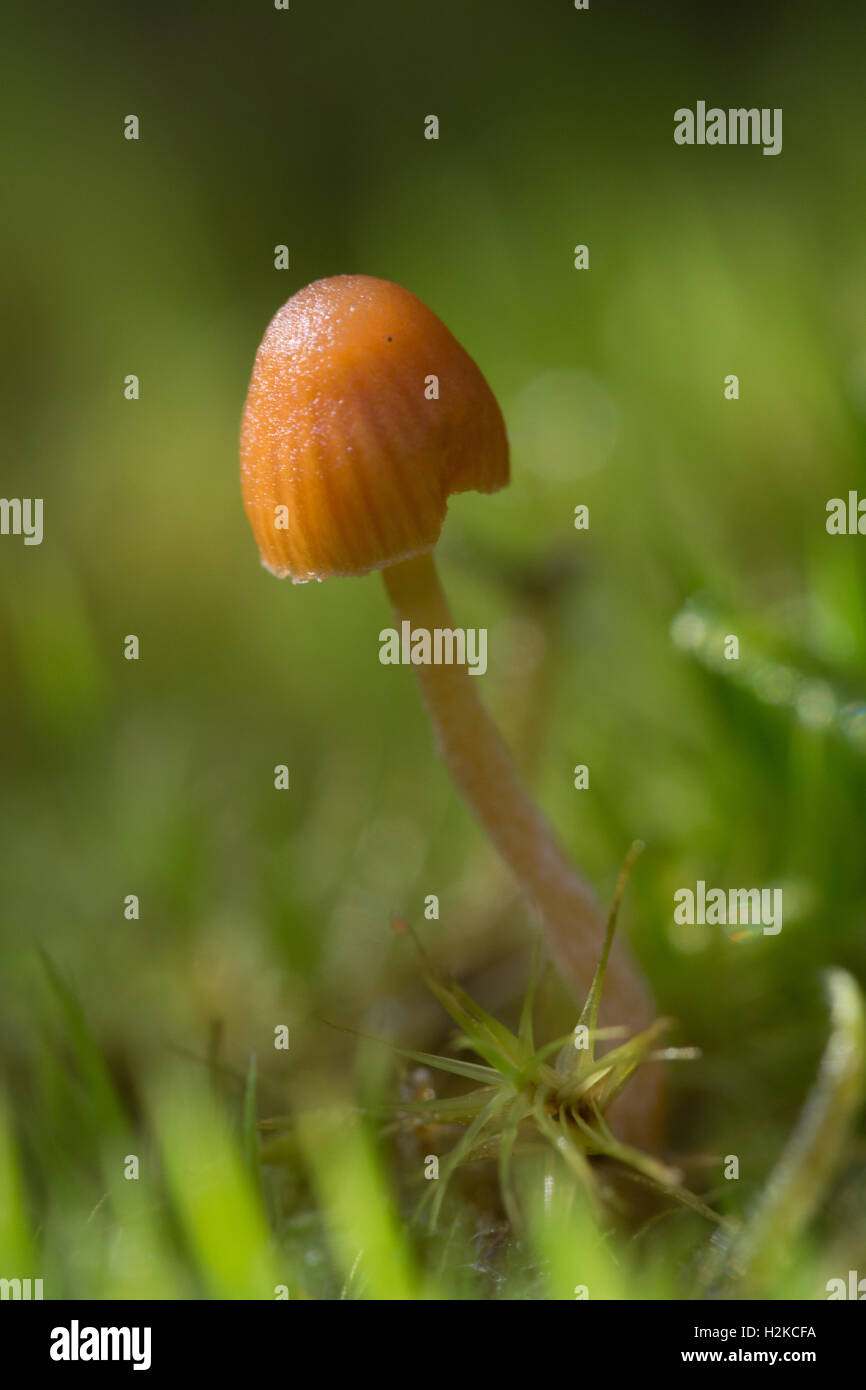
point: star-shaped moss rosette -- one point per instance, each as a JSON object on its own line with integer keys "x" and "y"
{"x": 556, "y": 1094}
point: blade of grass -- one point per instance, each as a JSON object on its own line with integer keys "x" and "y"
{"x": 813, "y": 1151}
{"x": 565, "y": 1062}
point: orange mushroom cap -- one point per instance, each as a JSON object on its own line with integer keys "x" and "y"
{"x": 346, "y": 465}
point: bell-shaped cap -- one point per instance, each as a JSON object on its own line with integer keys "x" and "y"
{"x": 363, "y": 415}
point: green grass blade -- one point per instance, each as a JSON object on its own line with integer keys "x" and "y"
{"x": 571, "y": 1058}
{"x": 367, "y": 1239}
{"x": 249, "y": 1122}
{"x": 99, "y": 1090}
{"x": 216, "y": 1203}
{"x": 589, "y": 1014}
{"x": 813, "y": 1151}
{"x": 16, "y": 1245}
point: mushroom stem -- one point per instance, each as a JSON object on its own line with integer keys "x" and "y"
{"x": 481, "y": 765}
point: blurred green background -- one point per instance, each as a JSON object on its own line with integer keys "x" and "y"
{"x": 155, "y": 777}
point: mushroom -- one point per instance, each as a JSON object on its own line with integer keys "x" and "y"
{"x": 348, "y": 456}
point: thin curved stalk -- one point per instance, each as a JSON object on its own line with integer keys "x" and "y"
{"x": 484, "y": 772}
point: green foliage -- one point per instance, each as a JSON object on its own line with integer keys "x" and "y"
{"x": 155, "y": 777}
{"x": 525, "y": 1096}
{"x": 199, "y": 1218}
